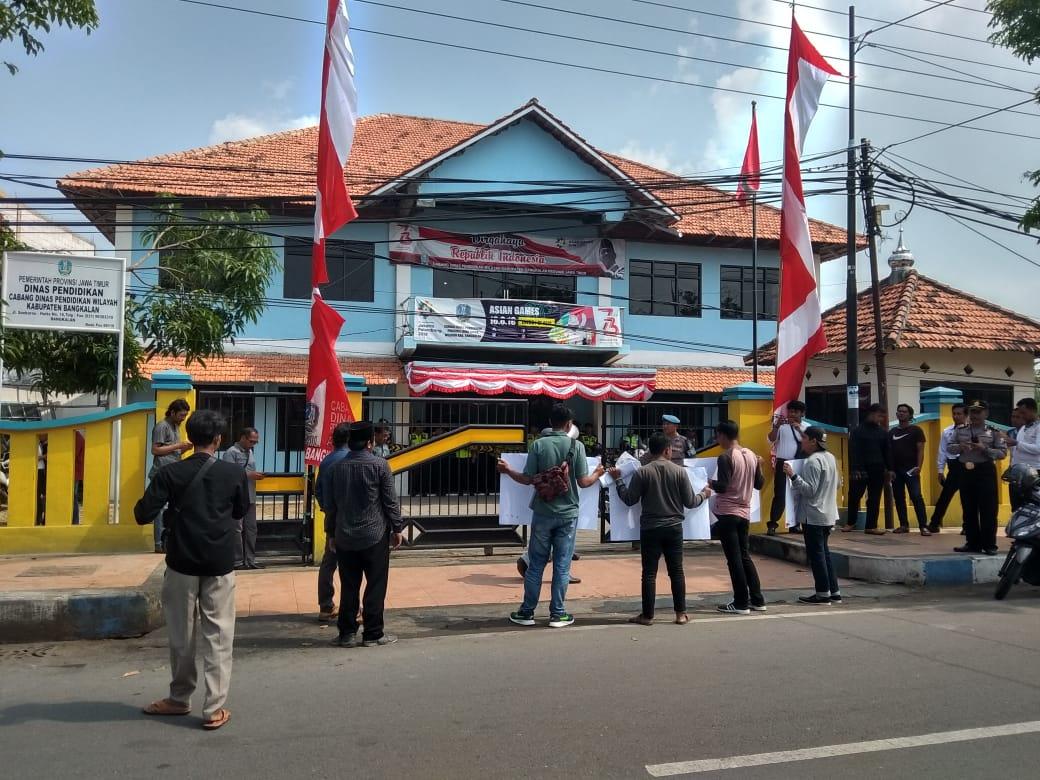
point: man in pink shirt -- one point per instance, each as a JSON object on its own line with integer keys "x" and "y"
{"x": 739, "y": 474}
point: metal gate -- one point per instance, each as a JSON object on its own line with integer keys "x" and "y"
{"x": 282, "y": 516}
{"x": 451, "y": 500}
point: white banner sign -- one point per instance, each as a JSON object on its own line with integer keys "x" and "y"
{"x": 475, "y": 320}
{"x": 63, "y": 292}
{"x": 514, "y": 499}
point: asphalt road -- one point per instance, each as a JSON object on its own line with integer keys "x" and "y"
{"x": 601, "y": 699}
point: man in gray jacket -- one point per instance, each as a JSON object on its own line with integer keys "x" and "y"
{"x": 817, "y": 489}
{"x": 362, "y": 522}
{"x": 241, "y": 454}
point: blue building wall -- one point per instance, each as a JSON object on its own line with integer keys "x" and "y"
{"x": 524, "y": 151}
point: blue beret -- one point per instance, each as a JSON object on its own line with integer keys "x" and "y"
{"x": 670, "y": 418}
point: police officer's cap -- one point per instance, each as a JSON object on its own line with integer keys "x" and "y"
{"x": 978, "y": 405}
{"x": 670, "y": 418}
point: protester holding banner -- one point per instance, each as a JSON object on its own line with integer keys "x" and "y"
{"x": 817, "y": 486}
{"x": 664, "y": 490}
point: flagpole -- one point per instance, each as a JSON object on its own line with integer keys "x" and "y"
{"x": 851, "y": 291}
{"x": 754, "y": 286}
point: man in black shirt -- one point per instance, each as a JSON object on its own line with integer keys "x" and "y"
{"x": 362, "y": 522}
{"x": 907, "y": 442}
{"x": 207, "y": 498}
{"x": 870, "y": 459}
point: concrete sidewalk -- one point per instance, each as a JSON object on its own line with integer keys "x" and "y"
{"x": 907, "y": 559}
{"x": 95, "y": 596}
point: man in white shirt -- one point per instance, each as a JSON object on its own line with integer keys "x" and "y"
{"x": 1025, "y": 446}
{"x": 948, "y": 467}
{"x": 786, "y": 438}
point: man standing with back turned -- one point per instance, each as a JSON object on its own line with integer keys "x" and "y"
{"x": 555, "y": 522}
{"x": 362, "y": 522}
{"x": 207, "y": 499}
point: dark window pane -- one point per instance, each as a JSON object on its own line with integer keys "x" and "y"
{"x": 664, "y": 294}
{"x": 730, "y": 303}
{"x": 639, "y": 267}
{"x": 639, "y": 292}
{"x": 687, "y": 271}
{"x": 351, "y": 268}
{"x": 664, "y": 269}
{"x": 452, "y": 284}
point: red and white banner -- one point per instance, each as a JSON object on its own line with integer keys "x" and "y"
{"x": 327, "y": 404}
{"x": 339, "y": 111}
{"x": 525, "y": 253}
{"x": 800, "y": 329}
{"x": 603, "y": 385}
{"x": 751, "y": 170}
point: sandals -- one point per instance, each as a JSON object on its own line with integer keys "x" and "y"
{"x": 220, "y": 717}
{"x": 166, "y": 707}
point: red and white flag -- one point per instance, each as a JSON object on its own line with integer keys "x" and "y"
{"x": 333, "y": 208}
{"x": 751, "y": 170}
{"x": 327, "y": 404}
{"x": 800, "y": 329}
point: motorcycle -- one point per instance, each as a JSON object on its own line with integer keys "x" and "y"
{"x": 1023, "y": 559}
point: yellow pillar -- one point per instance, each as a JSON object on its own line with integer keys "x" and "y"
{"x": 170, "y": 386}
{"x": 750, "y": 406}
{"x": 61, "y": 460}
{"x": 97, "y": 472}
{"x": 22, "y": 477}
{"x": 938, "y": 402}
{"x": 356, "y": 388}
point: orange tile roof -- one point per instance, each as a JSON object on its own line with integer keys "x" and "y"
{"x": 281, "y": 166}
{"x": 698, "y": 379}
{"x": 251, "y": 368}
{"x": 920, "y": 313}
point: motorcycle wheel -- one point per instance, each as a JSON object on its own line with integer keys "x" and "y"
{"x": 1012, "y": 572}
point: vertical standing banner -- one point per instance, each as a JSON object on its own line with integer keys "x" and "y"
{"x": 800, "y": 329}
{"x": 327, "y": 404}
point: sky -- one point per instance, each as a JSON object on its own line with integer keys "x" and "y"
{"x": 164, "y": 75}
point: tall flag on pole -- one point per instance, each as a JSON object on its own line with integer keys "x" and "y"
{"x": 751, "y": 170}
{"x": 800, "y": 330}
{"x": 327, "y": 403}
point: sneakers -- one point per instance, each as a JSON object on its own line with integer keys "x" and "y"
{"x": 836, "y": 598}
{"x": 522, "y": 618}
{"x": 350, "y": 640}
{"x": 758, "y": 607}
{"x": 731, "y": 609}
{"x": 561, "y": 621}
{"x": 815, "y": 599}
{"x": 385, "y": 639}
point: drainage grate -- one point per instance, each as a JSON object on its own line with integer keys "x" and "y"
{"x": 58, "y": 571}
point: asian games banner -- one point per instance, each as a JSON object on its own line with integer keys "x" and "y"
{"x": 519, "y": 252}
{"x": 474, "y": 320}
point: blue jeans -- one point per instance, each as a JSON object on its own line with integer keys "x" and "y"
{"x": 819, "y": 555}
{"x": 550, "y": 536}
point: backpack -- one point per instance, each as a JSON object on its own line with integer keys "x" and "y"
{"x": 555, "y": 480}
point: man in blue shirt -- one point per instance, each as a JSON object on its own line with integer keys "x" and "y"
{"x": 327, "y": 571}
{"x": 555, "y": 522}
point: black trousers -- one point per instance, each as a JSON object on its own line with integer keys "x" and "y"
{"x": 951, "y": 485}
{"x": 979, "y": 499}
{"x": 374, "y": 563}
{"x": 747, "y": 589}
{"x": 871, "y": 481}
{"x": 327, "y": 581}
{"x": 776, "y": 509}
{"x": 653, "y": 543}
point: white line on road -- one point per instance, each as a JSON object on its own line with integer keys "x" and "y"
{"x": 848, "y": 749}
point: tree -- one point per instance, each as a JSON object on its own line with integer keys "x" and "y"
{"x": 1016, "y": 25}
{"x": 23, "y": 18}
{"x": 211, "y": 282}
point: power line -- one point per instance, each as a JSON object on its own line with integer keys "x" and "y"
{"x": 980, "y": 81}
{"x": 907, "y": 18}
{"x": 612, "y": 71}
{"x": 962, "y": 123}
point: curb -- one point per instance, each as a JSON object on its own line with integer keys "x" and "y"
{"x": 936, "y": 571}
{"x": 103, "y": 613}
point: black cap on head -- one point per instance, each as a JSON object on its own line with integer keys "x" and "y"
{"x": 818, "y": 435}
{"x": 361, "y": 432}
{"x": 978, "y": 405}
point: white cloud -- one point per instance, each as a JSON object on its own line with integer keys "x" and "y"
{"x": 279, "y": 89}
{"x": 234, "y": 127}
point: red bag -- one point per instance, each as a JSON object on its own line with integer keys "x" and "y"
{"x": 554, "y": 481}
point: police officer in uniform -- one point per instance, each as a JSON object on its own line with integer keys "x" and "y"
{"x": 682, "y": 447}
{"x": 589, "y": 441}
{"x": 631, "y": 443}
{"x": 422, "y": 473}
{"x": 978, "y": 446}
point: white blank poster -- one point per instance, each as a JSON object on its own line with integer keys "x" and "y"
{"x": 794, "y": 498}
{"x": 514, "y": 499}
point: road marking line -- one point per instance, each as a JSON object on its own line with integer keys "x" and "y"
{"x": 848, "y": 749}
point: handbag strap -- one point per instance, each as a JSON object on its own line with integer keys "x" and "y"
{"x": 198, "y": 476}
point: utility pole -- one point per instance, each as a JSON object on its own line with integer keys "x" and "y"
{"x": 851, "y": 314}
{"x": 870, "y": 215}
